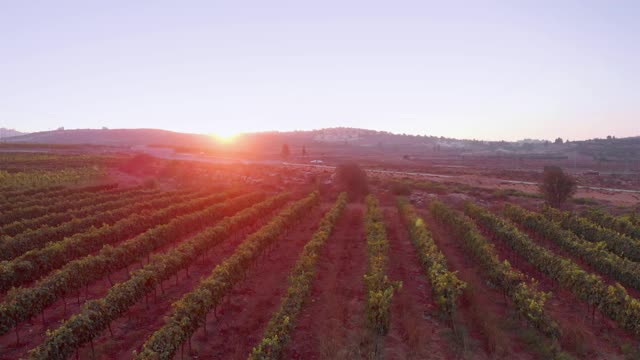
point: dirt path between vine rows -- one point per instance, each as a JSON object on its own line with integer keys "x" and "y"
{"x": 32, "y": 333}
{"x": 483, "y": 310}
{"x": 415, "y": 331}
{"x": 242, "y": 320}
{"x": 332, "y": 324}
{"x": 580, "y": 336}
{"x": 133, "y": 329}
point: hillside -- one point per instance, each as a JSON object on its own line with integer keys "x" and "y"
{"x": 114, "y": 137}
{"x": 339, "y": 140}
{"x": 7, "y": 133}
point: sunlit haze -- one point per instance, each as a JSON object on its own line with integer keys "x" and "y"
{"x": 477, "y": 69}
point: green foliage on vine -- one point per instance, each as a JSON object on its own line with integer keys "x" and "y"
{"x": 282, "y": 322}
{"x": 614, "y": 301}
{"x": 618, "y": 243}
{"x": 527, "y": 299}
{"x": 23, "y": 303}
{"x": 596, "y": 254}
{"x": 446, "y": 285}
{"x": 379, "y": 288}
{"x": 117, "y": 225}
{"x": 621, "y": 224}
{"x": 190, "y": 311}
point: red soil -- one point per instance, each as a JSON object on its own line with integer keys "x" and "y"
{"x": 581, "y": 337}
{"x": 132, "y": 330}
{"x": 415, "y": 332}
{"x": 243, "y": 318}
{"x": 332, "y": 324}
{"x": 32, "y": 333}
{"x": 93, "y": 253}
{"x": 483, "y": 309}
{"x": 582, "y": 263}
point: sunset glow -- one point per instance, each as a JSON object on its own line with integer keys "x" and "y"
{"x": 225, "y": 138}
{"x": 486, "y": 70}
{"x": 414, "y": 179}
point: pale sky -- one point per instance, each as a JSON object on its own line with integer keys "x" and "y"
{"x": 467, "y": 69}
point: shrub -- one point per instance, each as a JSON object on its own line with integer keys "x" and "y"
{"x": 400, "y": 189}
{"x": 557, "y": 186}
{"x": 353, "y": 179}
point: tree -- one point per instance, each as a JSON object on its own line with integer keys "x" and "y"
{"x": 285, "y": 151}
{"x": 557, "y": 186}
{"x": 353, "y": 179}
{"x": 558, "y": 141}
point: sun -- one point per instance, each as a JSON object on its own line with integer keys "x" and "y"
{"x": 224, "y": 138}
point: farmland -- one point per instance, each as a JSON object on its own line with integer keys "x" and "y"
{"x": 129, "y": 256}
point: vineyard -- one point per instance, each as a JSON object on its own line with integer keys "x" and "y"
{"x": 245, "y": 271}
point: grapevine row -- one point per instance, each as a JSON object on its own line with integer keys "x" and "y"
{"x": 190, "y": 311}
{"x": 97, "y": 315}
{"x": 38, "y": 262}
{"x": 63, "y": 205}
{"x": 623, "y": 270}
{"x": 55, "y": 219}
{"x": 21, "y": 194}
{"x": 24, "y": 303}
{"x": 527, "y": 299}
{"x": 379, "y": 288}
{"x": 281, "y": 324}
{"x": 19, "y": 197}
{"x": 615, "y": 242}
{"x": 36, "y": 238}
{"x": 445, "y": 284}
{"x": 42, "y": 178}
{"x": 622, "y": 225}
{"x": 611, "y": 300}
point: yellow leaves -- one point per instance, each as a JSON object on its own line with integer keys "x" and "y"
{"x": 380, "y": 288}
{"x": 445, "y": 284}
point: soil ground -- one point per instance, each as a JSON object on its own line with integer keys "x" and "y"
{"x": 487, "y": 315}
{"x": 415, "y": 331}
{"x": 582, "y": 337}
{"x": 33, "y": 332}
{"x": 242, "y": 320}
{"x": 332, "y": 324}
